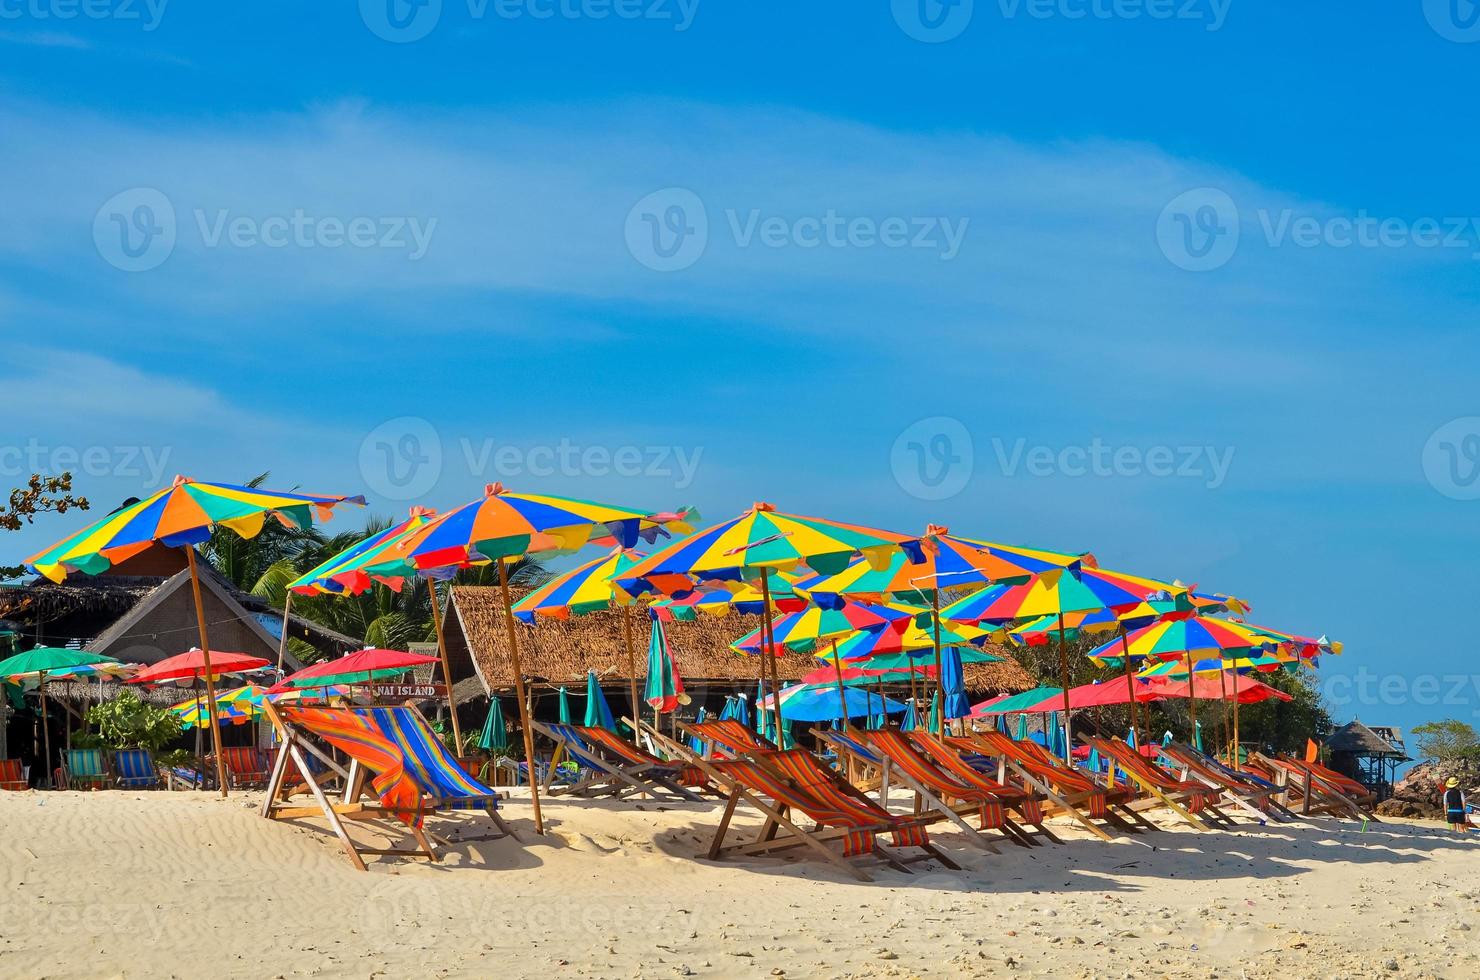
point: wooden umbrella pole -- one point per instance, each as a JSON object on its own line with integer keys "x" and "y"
{"x": 1130, "y": 683}
{"x": 1191, "y": 699}
{"x": 940, "y": 691}
{"x": 768, "y": 649}
{"x": 842, "y": 693}
{"x": 519, "y": 691}
{"x": 446, "y": 667}
{"x": 1064, "y": 677}
{"x": 45, "y": 725}
{"x": 205, "y": 653}
{"x": 632, "y": 672}
{"x": 283, "y": 640}
{"x": 1223, "y": 683}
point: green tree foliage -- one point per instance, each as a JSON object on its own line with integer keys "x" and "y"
{"x": 127, "y": 722}
{"x": 1447, "y": 740}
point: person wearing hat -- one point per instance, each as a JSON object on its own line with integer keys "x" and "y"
{"x": 1454, "y": 804}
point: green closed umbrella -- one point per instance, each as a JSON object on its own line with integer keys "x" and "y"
{"x": 564, "y": 707}
{"x": 494, "y": 737}
{"x": 598, "y": 712}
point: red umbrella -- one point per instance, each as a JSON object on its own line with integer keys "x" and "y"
{"x": 192, "y": 664}
{"x": 1209, "y": 688}
{"x": 370, "y": 663}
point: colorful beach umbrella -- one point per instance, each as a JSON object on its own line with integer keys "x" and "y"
{"x": 723, "y": 598}
{"x": 598, "y": 712}
{"x": 236, "y": 706}
{"x": 495, "y": 736}
{"x": 501, "y": 525}
{"x": 822, "y": 702}
{"x": 664, "y": 685}
{"x": 752, "y": 547}
{"x": 193, "y": 665}
{"x": 183, "y": 516}
{"x": 39, "y": 663}
{"x": 801, "y": 631}
{"x": 358, "y": 667}
{"x": 344, "y": 574}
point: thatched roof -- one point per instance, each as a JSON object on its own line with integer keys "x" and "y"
{"x": 1358, "y": 739}
{"x": 561, "y": 652}
{"x": 42, "y": 600}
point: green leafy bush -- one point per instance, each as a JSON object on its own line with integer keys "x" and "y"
{"x": 127, "y": 722}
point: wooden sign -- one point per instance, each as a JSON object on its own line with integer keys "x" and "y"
{"x": 405, "y": 691}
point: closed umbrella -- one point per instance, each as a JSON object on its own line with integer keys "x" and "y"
{"x": 598, "y": 712}
{"x": 495, "y": 738}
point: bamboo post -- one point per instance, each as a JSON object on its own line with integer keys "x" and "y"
{"x": 768, "y": 650}
{"x": 1064, "y": 676}
{"x": 283, "y": 640}
{"x": 940, "y": 690}
{"x": 519, "y": 691}
{"x": 632, "y": 672}
{"x": 446, "y": 668}
{"x": 45, "y": 725}
{"x": 842, "y": 692}
{"x": 205, "y": 653}
{"x": 1191, "y": 700}
{"x": 1130, "y": 684}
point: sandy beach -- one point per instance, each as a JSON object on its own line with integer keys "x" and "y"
{"x": 184, "y": 884}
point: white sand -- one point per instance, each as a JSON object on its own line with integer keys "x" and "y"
{"x": 176, "y": 884}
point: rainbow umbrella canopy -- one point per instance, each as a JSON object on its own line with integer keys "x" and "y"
{"x": 345, "y": 574}
{"x": 358, "y": 667}
{"x": 501, "y": 525}
{"x": 754, "y": 546}
{"x": 183, "y": 515}
{"x": 723, "y": 598}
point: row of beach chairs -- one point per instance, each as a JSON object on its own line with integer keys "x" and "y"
{"x": 91, "y": 769}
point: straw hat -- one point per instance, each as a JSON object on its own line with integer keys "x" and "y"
{"x": 1452, "y": 782}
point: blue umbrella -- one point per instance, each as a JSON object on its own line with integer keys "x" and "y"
{"x": 696, "y": 743}
{"x": 1130, "y": 738}
{"x": 911, "y": 719}
{"x": 494, "y": 737}
{"x": 821, "y": 702}
{"x": 742, "y": 710}
{"x": 727, "y": 713}
{"x": 1054, "y": 735}
{"x": 598, "y": 712}
{"x": 953, "y": 682}
{"x": 1167, "y": 738}
{"x": 1022, "y": 732}
{"x": 934, "y": 716}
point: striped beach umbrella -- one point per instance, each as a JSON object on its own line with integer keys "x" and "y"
{"x": 501, "y": 525}
{"x": 183, "y": 515}
{"x": 664, "y": 685}
{"x": 345, "y": 574}
{"x": 598, "y": 712}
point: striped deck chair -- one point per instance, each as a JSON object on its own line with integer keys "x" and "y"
{"x": 85, "y": 769}
{"x": 615, "y": 767}
{"x": 401, "y": 801}
{"x": 1069, "y": 790}
{"x": 246, "y": 766}
{"x": 860, "y": 764}
{"x": 726, "y": 739}
{"x": 13, "y": 775}
{"x": 936, "y": 789}
{"x": 444, "y": 783}
{"x": 951, "y": 760}
{"x": 134, "y": 769}
{"x": 1194, "y": 802}
{"x": 780, "y": 784}
{"x": 1253, "y": 795}
{"x": 1349, "y": 787}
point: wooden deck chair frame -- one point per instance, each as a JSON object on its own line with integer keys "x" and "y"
{"x": 779, "y": 832}
{"x": 1255, "y": 801}
{"x": 712, "y": 746}
{"x": 865, "y": 773}
{"x": 1069, "y": 802}
{"x": 1348, "y": 787}
{"x": 1178, "y": 801}
{"x": 295, "y": 745}
{"x": 609, "y": 778}
{"x": 1316, "y": 796}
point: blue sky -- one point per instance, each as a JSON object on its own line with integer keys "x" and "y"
{"x": 591, "y": 255}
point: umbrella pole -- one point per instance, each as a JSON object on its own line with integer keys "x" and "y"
{"x": 632, "y": 674}
{"x": 524, "y": 713}
{"x": 205, "y": 653}
{"x": 768, "y": 648}
{"x": 283, "y": 640}
{"x": 842, "y": 696}
{"x": 1064, "y": 676}
{"x": 940, "y": 691}
{"x": 446, "y": 669}
{"x": 1235, "y": 719}
{"x": 1130, "y": 684}
{"x": 1191, "y": 699}
{"x": 1223, "y": 683}
{"x": 45, "y": 726}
